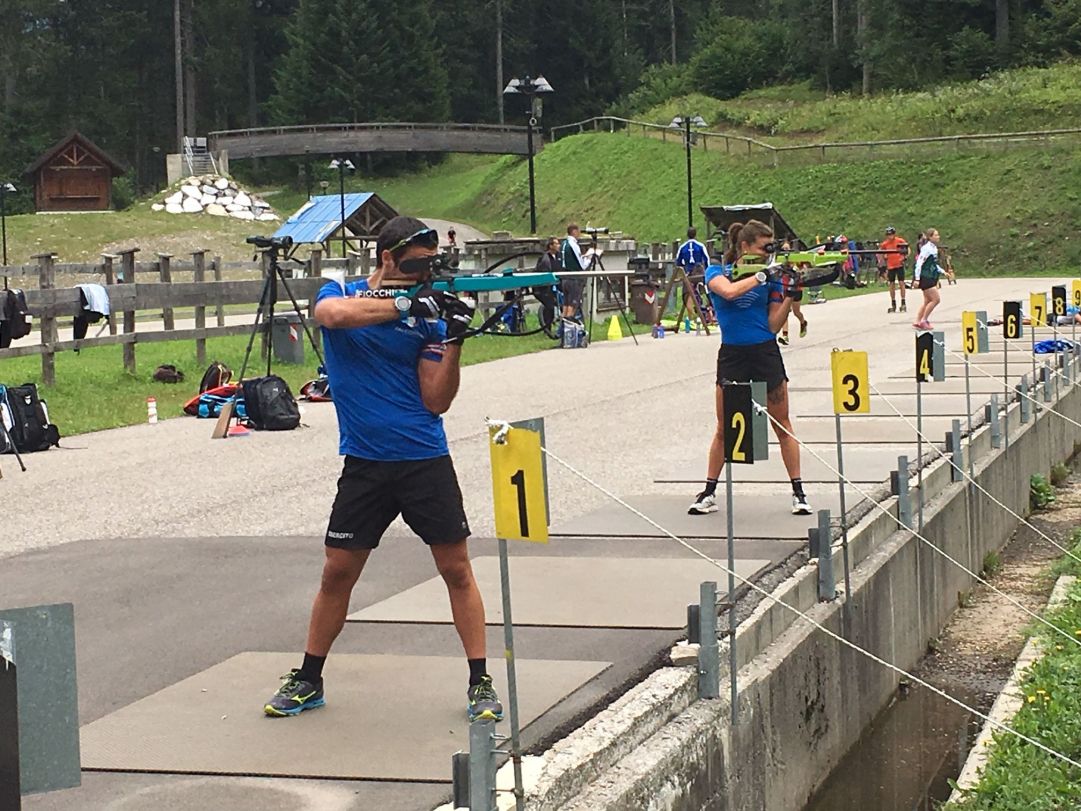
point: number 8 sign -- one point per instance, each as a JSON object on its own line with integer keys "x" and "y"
{"x": 851, "y": 391}
{"x": 519, "y": 489}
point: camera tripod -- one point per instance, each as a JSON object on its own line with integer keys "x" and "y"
{"x": 595, "y": 262}
{"x": 264, "y": 317}
{"x": 11, "y": 444}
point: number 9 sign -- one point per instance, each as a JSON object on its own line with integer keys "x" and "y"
{"x": 519, "y": 488}
{"x": 850, "y": 382}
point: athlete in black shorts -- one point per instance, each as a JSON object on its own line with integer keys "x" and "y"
{"x": 393, "y": 363}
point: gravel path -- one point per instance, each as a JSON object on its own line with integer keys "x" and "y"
{"x": 624, "y": 414}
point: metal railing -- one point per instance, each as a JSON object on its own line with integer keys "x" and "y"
{"x": 741, "y": 145}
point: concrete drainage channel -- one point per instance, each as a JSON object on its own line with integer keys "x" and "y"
{"x": 804, "y": 699}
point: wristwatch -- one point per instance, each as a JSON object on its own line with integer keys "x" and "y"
{"x": 403, "y": 303}
{"x": 761, "y": 277}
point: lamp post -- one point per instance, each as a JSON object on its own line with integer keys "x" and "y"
{"x": 5, "y": 190}
{"x": 684, "y": 123}
{"x": 530, "y": 88}
{"x": 342, "y": 165}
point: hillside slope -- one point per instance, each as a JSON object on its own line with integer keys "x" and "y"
{"x": 1003, "y": 213}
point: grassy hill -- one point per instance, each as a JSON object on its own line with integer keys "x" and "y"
{"x": 1008, "y": 101}
{"x": 1003, "y": 213}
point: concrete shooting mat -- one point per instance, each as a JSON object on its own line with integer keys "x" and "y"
{"x": 213, "y": 722}
{"x": 862, "y": 464}
{"x": 571, "y": 592}
{"x": 874, "y": 431}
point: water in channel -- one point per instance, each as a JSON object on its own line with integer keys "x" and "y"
{"x": 903, "y": 760}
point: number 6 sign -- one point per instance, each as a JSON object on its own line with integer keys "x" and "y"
{"x": 519, "y": 486}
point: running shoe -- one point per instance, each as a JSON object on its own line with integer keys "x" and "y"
{"x": 484, "y": 704}
{"x": 294, "y": 696}
{"x": 803, "y": 329}
{"x": 782, "y": 339}
{"x": 703, "y": 503}
{"x": 800, "y": 505}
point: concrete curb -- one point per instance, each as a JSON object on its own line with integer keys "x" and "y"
{"x": 1009, "y": 701}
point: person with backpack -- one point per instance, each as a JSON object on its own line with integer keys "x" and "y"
{"x": 925, "y": 277}
{"x": 393, "y": 360}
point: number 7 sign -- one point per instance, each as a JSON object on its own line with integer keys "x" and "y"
{"x": 519, "y": 486}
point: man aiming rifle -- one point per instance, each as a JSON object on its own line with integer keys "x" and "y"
{"x": 393, "y": 359}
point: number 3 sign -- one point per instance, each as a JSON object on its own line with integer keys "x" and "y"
{"x": 850, "y": 386}
{"x": 519, "y": 487}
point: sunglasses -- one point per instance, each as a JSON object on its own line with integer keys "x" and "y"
{"x": 425, "y": 237}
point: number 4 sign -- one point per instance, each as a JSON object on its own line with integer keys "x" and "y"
{"x": 519, "y": 486}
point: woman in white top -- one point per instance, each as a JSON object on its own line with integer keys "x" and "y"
{"x": 925, "y": 278}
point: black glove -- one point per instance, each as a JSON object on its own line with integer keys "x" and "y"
{"x": 426, "y": 303}
{"x": 458, "y": 314}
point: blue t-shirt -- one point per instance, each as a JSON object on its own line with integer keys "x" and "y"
{"x": 690, "y": 253}
{"x": 373, "y": 374}
{"x": 744, "y": 320}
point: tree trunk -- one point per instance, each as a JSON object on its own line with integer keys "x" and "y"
{"x": 836, "y": 23}
{"x": 178, "y": 58}
{"x": 189, "y": 66}
{"x": 623, "y": 10}
{"x": 672, "y": 22}
{"x": 1002, "y": 24}
{"x": 862, "y": 24}
{"x": 499, "y": 58}
{"x": 253, "y": 95}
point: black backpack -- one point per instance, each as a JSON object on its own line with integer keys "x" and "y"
{"x": 216, "y": 376}
{"x": 270, "y": 404}
{"x": 14, "y": 316}
{"x": 26, "y": 418}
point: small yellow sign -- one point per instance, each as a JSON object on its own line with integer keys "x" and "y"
{"x": 851, "y": 387}
{"x": 1075, "y": 287}
{"x": 518, "y": 489}
{"x": 970, "y": 334}
{"x": 1037, "y": 304}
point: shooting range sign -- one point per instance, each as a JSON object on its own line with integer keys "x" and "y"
{"x": 1058, "y": 300}
{"x": 1075, "y": 287}
{"x": 1012, "y": 326}
{"x": 973, "y": 333}
{"x": 746, "y": 438}
{"x": 925, "y": 357}
{"x": 1037, "y": 306}
{"x": 851, "y": 388}
{"x": 519, "y": 489}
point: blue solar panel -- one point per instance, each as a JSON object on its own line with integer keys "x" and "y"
{"x": 320, "y": 217}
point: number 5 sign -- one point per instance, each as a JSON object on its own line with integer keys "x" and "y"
{"x": 519, "y": 483}
{"x": 850, "y": 386}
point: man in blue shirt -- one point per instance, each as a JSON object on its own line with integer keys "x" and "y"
{"x": 693, "y": 258}
{"x": 393, "y": 363}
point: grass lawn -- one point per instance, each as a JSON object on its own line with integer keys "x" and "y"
{"x": 1020, "y": 777}
{"x": 94, "y": 392}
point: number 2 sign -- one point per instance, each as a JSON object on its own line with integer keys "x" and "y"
{"x": 519, "y": 489}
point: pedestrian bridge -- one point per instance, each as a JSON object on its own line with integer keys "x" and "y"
{"x": 330, "y": 139}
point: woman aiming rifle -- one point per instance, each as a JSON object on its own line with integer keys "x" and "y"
{"x": 750, "y": 311}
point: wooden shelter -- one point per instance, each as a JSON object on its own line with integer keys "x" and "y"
{"x": 73, "y": 175}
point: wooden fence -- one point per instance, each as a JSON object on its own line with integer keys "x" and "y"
{"x": 207, "y": 292}
{"x": 740, "y": 145}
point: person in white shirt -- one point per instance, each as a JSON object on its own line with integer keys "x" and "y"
{"x": 925, "y": 278}
{"x": 573, "y": 261}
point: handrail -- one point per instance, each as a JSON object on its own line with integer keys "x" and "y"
{"x": 983, "y": 136}
{"x": 375, "y": 125}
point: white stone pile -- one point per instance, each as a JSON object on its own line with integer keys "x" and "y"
{"x": 216, "y": 196}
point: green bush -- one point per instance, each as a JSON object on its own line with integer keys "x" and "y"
{"x": 1041, "y": 493}
{"x": 124, "y": 194}
{"x": 1059, "y": 474}
{"x": 740, "y": 54}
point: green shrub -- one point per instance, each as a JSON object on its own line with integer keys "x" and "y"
{"x": 1041, "y": 493}
{"x": 124, "y": 191}
{"x": 1059, "y": 474}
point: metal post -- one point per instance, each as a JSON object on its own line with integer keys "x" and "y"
{"x": 1045, "y": 382}
{"x": 733, "y": 665}
{"x": 844, "y": 510}
{"x": 1022, "y": 393}
{"x": 532, "y": 190}
{"x": 4, "y": 224}
{"x": 1056, "y": 355}
{"x": 1035, "y": 376}
{"x": 459, "y": 779}
{"x": 991, "y": 412}
{"x": 827, "y": 586}
{"x": 953, "y": 444}
{"x": 899, "y": 487}
{"x": 482, "y": 766}
{"x": 512, "y": 680}
{"x": 919, "y": 447}
{"x": 709, "y": 665}
{"x": 687, "y": 143}
{"x": 968, "y": 412}
{"x": 341, "y": 200}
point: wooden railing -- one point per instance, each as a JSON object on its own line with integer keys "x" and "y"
{"x": 819, "y": 152}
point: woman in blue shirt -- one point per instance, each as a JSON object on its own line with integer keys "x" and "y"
{"x": 750, "y": 311}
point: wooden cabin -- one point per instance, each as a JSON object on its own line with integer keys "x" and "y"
{"x": 73, "y": 175}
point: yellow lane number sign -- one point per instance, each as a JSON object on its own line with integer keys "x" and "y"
{"x": 970, "y": 333}
{"x": 1037, "y": 305}
{"x": 850, "y": 382}
{"x": 518, "y": 487}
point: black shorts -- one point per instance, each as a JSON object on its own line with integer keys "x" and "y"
{"x": 742, "y": 363}
{"x": 896, "y": 275}
{"x": 372, "y": 494}
{"x": 572, "y": 291}
{"x": 927, "y": 284}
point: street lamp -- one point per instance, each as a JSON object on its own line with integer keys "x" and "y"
{"x": 531, "y": 88}
{"x": 684, "y": 123}
{"x": 5, "y": 190}
{"x": 343, "y": 165}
